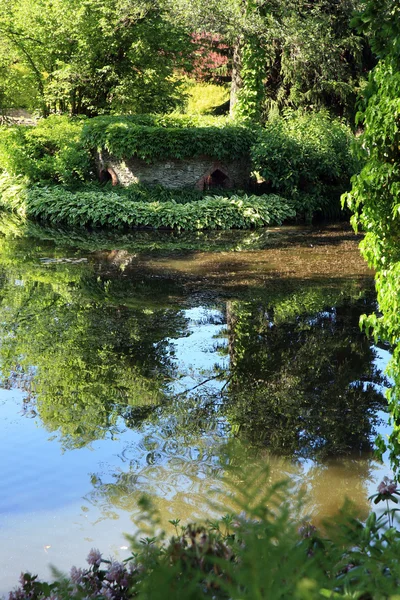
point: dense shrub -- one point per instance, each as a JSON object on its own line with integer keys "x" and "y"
{"x": 165, "y": 120}
{"x": 263, "y": 552}
{"x": 86, "y": 208}
{"x": 137, "y": 192}
{"x": 50, "y": 151}
{"x": 307, "y": 158}
{"x": 60, "y": 205}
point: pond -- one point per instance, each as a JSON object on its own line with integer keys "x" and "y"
{"x": 161, "y": 363}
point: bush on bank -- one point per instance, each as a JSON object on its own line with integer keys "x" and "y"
{"x": 268, "y": 553}
{"x": 56, "y": 204}
{"x": 50, "y": 152}
{"x": 308, "y": 159}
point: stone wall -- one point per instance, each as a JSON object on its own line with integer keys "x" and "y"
{"x": 202, "y": 172}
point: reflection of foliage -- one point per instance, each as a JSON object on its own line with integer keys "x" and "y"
{"x": 305, "y": 386}
{"x": 88, "y": 333}
{"x": 86, "y": 360}
{"x": 14, "y": 227}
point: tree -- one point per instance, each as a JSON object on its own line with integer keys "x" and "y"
{"x": 96, "y": 57}
{"x": 284, "y": 53}
{"x": 375, "y": 196}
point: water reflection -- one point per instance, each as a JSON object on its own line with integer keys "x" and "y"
{"x": 174, "y": 365}
{"x": 83, "y": 358}
{"x": 304, "y": 385}
{"x": 93, "y": 354}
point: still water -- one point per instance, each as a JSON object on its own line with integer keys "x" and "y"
{"x": 160, "y": 363}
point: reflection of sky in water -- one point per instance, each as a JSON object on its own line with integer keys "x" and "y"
{"x": 196, "y": 354}
{"x": 56, "y": 505}
{"x": 40, "y": 503}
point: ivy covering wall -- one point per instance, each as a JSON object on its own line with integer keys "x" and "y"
{"x": 152, "y": 138}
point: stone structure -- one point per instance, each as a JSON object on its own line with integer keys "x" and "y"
{"x": 201, "y": 172}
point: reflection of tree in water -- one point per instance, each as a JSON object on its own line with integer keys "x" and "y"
{"x": 301, "y": 383}
{"x": 176, "y": 462}
{"x": 306, "y": 386}
{"x": 185, "y": 455}
{"x": 85, "y": 358}
{"x": 302, "y": 380}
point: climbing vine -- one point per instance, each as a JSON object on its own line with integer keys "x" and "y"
{"x": 251, "y": 95}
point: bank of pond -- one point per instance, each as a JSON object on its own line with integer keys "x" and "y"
{"x": 176, "y": 171}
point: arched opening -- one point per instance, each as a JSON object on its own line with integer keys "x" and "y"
{"x": 107, "y": 175}
{"x": 217, "y": 179}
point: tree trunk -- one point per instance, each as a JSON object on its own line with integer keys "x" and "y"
{"x": 236, "y": 75}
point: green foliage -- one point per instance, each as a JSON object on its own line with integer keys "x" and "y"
{"x": 251, "y": 98}
{"x": 17, "y": 87}
{"x": 119, "y": 56}
{"x": 375, "y": 195}
{"x": 58, "y": 205}
{"x": 306, "y": 157}
{"x": 153, "y": 138}
{"x": 157, "y": 193}
{"x": 289, "y": 53}
{"x": 380, "y": 21}
{"x": 96, "y": 58}
{"x": 50, "y": 151}
{"x": 322, "y": 59}
{"x": 264, "y": 551}
{"x": 171, "y": 120}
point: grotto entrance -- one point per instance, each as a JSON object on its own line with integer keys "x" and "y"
{"x": 216, "y": 179}
{"x": 107, "y": 175}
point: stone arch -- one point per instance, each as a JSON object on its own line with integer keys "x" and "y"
{"x": 108, "y": 174}
{"x": 217, "y": 177}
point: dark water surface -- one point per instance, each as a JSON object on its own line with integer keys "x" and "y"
{"x": 155, "y": 363}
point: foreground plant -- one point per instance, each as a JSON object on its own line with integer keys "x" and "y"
{"x": 262, "y": 553}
